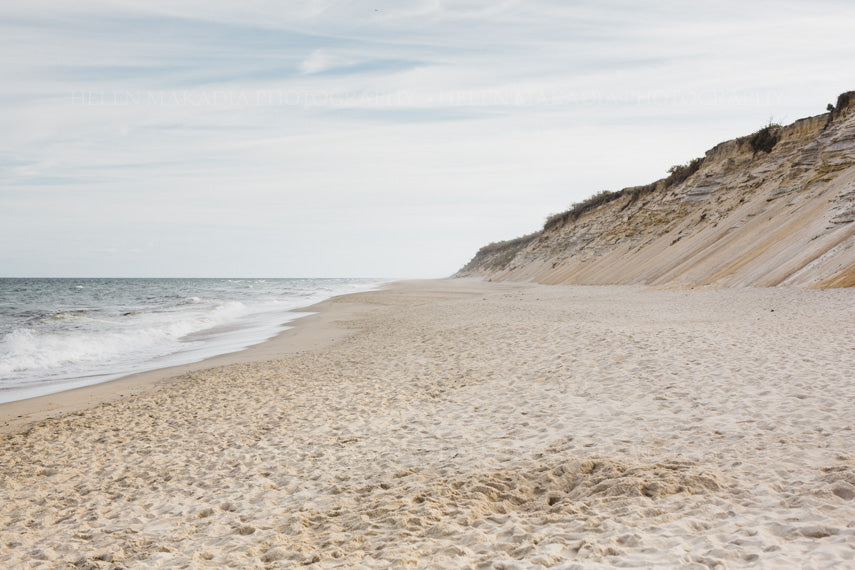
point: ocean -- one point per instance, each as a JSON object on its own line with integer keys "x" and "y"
{"x": 57, "y": 334}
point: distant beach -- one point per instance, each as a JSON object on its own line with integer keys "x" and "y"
{"x": 463, "y": 424}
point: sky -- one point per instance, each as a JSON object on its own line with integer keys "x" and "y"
{"x": 205, "y": 138}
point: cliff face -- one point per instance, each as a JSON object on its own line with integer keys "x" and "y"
{"x": 740, "y": 217}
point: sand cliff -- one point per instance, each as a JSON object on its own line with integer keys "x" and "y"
{"x": 773, "y": 208}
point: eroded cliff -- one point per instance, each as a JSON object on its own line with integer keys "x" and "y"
{"x": 773, "y": 208}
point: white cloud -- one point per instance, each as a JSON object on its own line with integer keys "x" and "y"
{"x": 322, "y": 60}
{"x": 326, "y": 125}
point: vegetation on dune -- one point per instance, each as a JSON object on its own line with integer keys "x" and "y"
{"x": 680, "y": 173}
{"x": 677, "y": 174}
{"x": 498, "y": 255}
{"x": 766, "y": 138}
{"x": 843, "y": 100}
{"x": 576, "y": 210}
{"x": 501, "y": 253}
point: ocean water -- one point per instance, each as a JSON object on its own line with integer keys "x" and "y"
{"x": 57, "y": 334}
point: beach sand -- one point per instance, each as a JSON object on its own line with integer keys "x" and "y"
{"x": 462, "y": 424}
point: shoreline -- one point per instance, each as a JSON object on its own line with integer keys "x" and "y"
{"x": 314, "y": 330}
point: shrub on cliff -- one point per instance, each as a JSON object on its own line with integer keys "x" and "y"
{"x": 677, "y": 174}
{"x": 766, "y": 138}
{"x": 680, "y": 172}
{"x": 497, "y": 255}
{"x": 576, "y": 210}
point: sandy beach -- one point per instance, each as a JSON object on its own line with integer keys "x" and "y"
{"x": 463, "y": 424}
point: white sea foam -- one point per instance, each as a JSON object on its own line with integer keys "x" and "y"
{"x": 102, "y": 340}
{"x": 77, "y": 342}
{"x": 27, "y": 351}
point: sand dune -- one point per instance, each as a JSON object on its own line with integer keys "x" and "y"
{"x": 472, "y": 425}
{"x": 740, "y": 216}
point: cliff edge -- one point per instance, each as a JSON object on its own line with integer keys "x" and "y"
{"x": 773, "y": 208}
